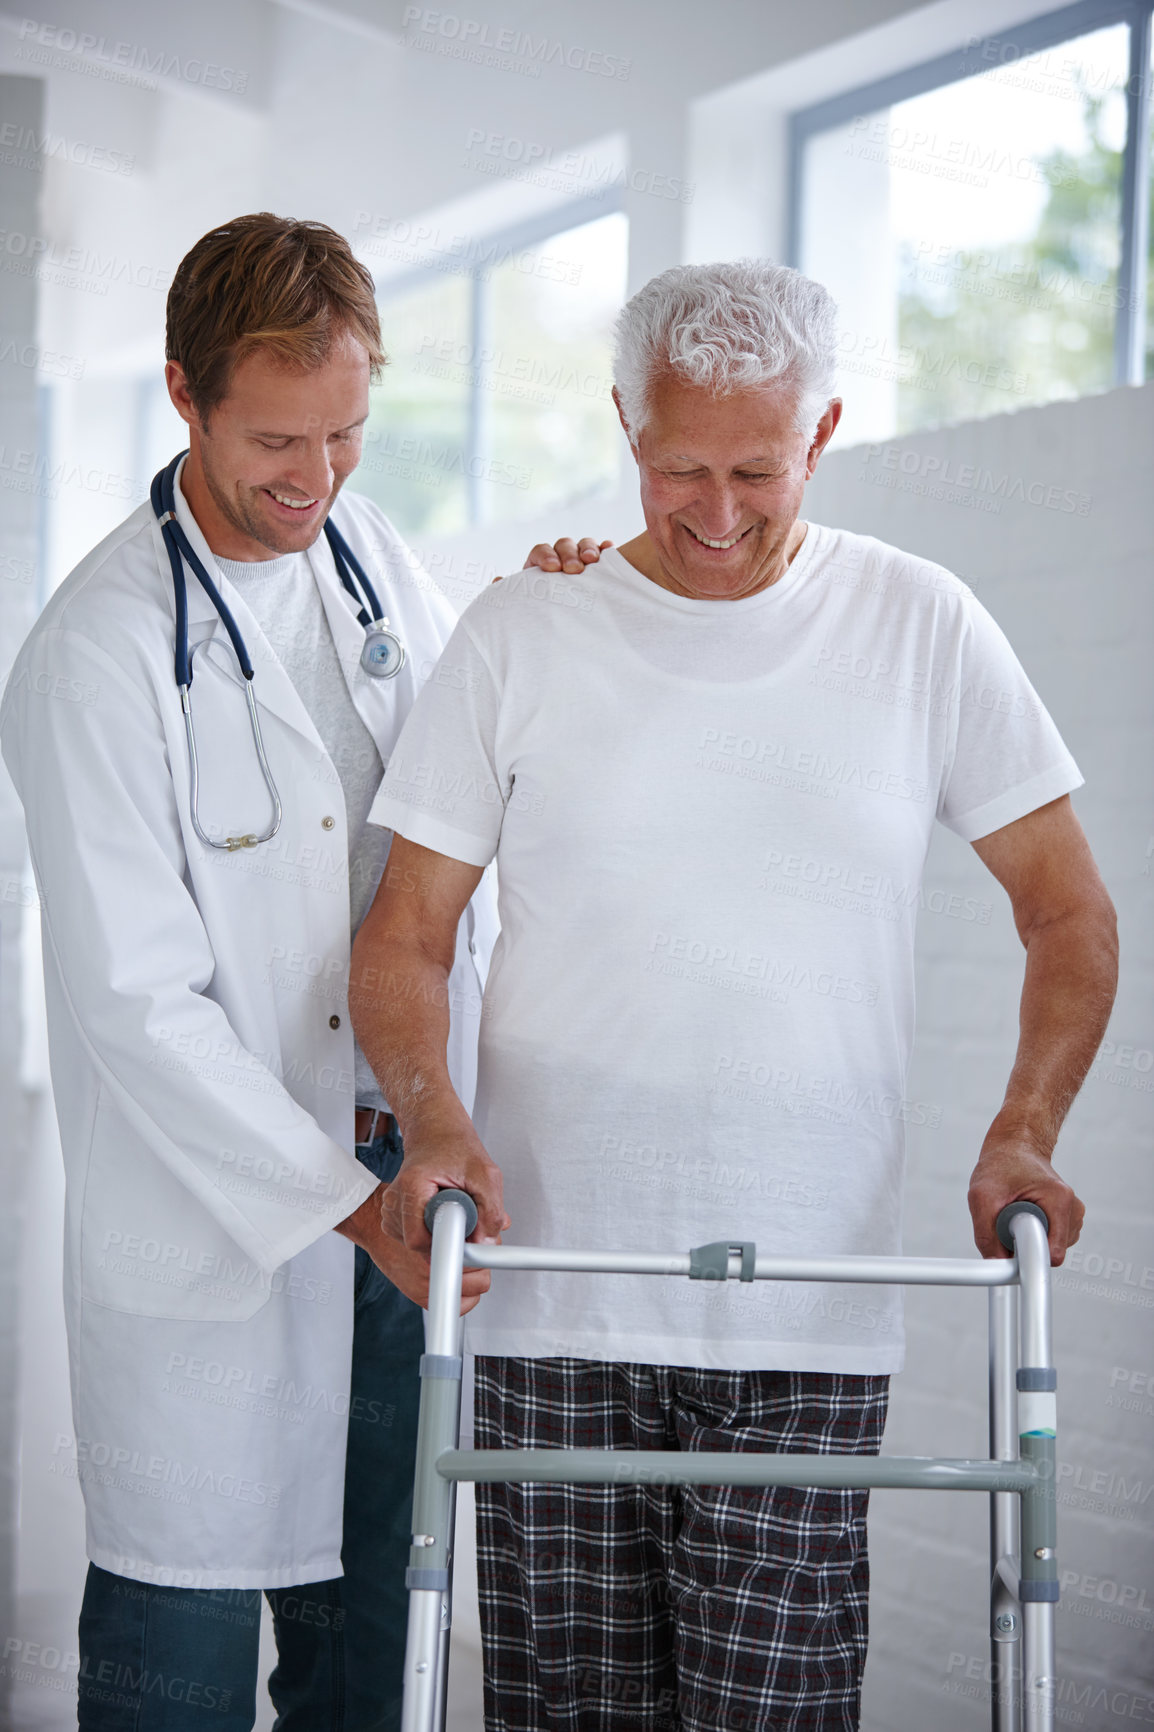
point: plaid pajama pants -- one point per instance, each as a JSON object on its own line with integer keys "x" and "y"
{"x": 672, "y": 1608}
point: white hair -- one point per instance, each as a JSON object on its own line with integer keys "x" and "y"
{"x": 726, "y": 327}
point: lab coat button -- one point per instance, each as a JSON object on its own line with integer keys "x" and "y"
{"x": 334, "y": 1022}
{"x": 327, "y": 823}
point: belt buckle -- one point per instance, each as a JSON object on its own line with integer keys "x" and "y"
{"x": 374, "y": 1123}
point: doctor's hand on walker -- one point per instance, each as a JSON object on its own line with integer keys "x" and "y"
{"x": 390, "y": 1224}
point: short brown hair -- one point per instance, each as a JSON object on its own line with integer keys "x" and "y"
{"x": 272, "y": 283}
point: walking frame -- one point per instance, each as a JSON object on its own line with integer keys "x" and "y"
{"x": 1019, "y": 1476}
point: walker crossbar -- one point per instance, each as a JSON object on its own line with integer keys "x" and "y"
{"x": 1018, "y": 1477}
{"x": 674, "y": 1467}
{"x": 908, "y": 1271}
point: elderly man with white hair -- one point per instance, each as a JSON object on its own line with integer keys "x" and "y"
{"x": 708, "y": 767}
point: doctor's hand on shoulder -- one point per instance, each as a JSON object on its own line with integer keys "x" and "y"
{"x": 390, "y": 1223}
{"x": 566, "y": 554}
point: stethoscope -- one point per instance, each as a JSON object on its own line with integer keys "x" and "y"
{"x": 382, "y": 656}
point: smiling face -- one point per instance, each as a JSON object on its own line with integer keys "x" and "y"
{"x": 722, "y": 480}
{"x": 266, "y": 464}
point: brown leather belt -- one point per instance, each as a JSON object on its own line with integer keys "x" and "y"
{"x": 369, "y": 1123}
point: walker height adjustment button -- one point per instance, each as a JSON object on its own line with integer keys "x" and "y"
{"x": 711, "y": 1262}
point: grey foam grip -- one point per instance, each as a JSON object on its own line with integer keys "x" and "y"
{"x": 1033, "y": 1379}
{"x": 443, "y": 1197}
{"x": 448, "y": 1365}
{"x": 1002, "y": 1224}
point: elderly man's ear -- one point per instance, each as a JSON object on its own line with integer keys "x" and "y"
{"x": 623, "y": 421}
{"x": 823, "y": 435}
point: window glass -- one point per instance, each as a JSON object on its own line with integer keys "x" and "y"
{"x": 496, "y": 402}
{"x": 550, "y": 424}
{"x": 415, "y": 458}
{"x": 971, "y": 237}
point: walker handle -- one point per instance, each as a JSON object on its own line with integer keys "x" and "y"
{"x": 1002, "y": 1224}
{"x": 448, "y": 1196}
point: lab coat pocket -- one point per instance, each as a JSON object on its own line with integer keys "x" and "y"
{"x": 148, "y": 1246}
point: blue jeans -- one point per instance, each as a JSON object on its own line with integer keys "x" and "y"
{"x": 156, "y": 1659}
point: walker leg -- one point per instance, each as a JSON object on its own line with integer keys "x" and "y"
{"x": 438, "y": 1425}
{"x": 444, "y": 1637}
{"x": 1038, "y": 1429}
{"x": 1038, "y": 1682}
{"x": 1005, "y": 1611}
{"x": 421, "y": 1670}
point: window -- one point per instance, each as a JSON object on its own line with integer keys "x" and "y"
{"x": 496, "y": 402}
{"x": 982, "y": 221}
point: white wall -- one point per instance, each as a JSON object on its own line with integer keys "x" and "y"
{"x": 353, "y": 116}
{"x": 1050, "y": 523}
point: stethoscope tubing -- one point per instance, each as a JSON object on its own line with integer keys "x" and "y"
{"x": 383, "y": 655}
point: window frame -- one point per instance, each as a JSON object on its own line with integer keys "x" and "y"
{"x": 518, "y": 237}
{"x": 1030, "y": 37}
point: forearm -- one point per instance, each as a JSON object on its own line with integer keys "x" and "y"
{"x": 1067, "y": 994}
{"x": 399, "y": 1003}
{"x": 400, "y": 1012}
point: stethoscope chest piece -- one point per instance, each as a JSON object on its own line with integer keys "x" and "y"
{"x": 383, "y": 655}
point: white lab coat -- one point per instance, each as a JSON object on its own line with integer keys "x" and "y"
{"x": 202, "y": 1054}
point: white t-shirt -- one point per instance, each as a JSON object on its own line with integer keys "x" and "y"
{"x": 710, "y": 820}
{"x": 286, "y": 602}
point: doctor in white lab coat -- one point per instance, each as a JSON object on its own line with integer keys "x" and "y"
{"x": 201, "y": 1048}
{"x": 202, "y": 1053}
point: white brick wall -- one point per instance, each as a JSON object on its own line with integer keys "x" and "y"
{"x": 1052, "y": 529}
